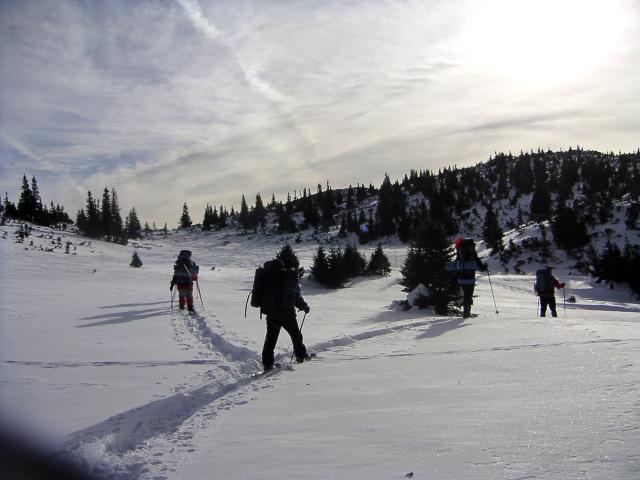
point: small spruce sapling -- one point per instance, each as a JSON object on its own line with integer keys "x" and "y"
{"x": 135, "y": 260}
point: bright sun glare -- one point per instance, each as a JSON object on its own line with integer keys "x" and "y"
{"x": 544, "y": 42}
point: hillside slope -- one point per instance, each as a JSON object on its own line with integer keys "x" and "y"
{"x": 97, "y": 367}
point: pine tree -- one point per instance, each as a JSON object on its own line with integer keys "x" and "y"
{"x": 10, "y": 210}
{"x": 81, "y": 221}
{"x": 207, "y": 221}
{"x": 354, "y": 263}
{"x": 611, "y": 264}
{"x": 26, "y": 202}
{"x": 185, "y": 219}
{"x": 328, "y": 205}
{"x": 133, "y": 228}
{"x": 135, "y": 260}
{"x": 290, "y": 259}
{"x": 244, "y": 217}
{"x": 337, "y": 274}
{"x": 379, "y": 263}
{"x": 36, "y": 206}
{"x": 223, "y": 217}
{"x": 320, "y": 267}
{"x": 569, "y": 229}
{"x": 92, "y": 214}
{"x": 117, "y": 228}
{"x": 492, "y": 233}
{"x": 106, "y": 218}
{"x": 425, "y": 264}
{"x": 342, "y": 233}
{"x": 384, "y": 212}
{"x": 259, "y": 213}
{"x": 632, "y": 263}
{"x": 350, "y": 202}
{"x": 633, "y": 213}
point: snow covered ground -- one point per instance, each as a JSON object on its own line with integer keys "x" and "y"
{"x": 94, "y": 365}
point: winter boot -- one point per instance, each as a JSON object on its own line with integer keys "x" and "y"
{"x": 467, "y": 311}
{"x": 306, "y": 358}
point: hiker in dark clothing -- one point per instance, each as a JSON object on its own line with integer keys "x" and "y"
{"x": 185, "y": 272}
{"x": 546, "y": 283}
{"x": 467, "y": 262}
{"x": 281, "y": 313}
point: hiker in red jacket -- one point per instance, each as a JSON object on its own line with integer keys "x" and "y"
{"x": 185, "y": 272}
{"x": 546, "y": 283}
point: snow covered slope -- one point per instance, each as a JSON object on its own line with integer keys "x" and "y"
{"x": 94, "y": 365}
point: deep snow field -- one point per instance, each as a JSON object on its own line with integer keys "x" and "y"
{"x": 96, "y": 367}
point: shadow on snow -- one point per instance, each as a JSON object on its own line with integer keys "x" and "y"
{"x": 122, "y": 317}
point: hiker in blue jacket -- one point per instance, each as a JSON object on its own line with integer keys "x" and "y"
{"x": 467, "y": 262}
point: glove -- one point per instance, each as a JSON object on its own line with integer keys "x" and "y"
{"x": 307, "y": 309}
{"x": 561, "y": 285}
{"x": 171, "y": 286}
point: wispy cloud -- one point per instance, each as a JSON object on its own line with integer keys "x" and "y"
{"x": 202, "y": 101}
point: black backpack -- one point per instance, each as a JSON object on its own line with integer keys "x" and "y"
{"x": 467, "y": 250}
{"x": 267, "y": 284}
{"x": 544, "y": 282}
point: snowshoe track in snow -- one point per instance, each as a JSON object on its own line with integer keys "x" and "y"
{"x": 127, "y": 441}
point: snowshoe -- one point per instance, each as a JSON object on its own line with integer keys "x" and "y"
{"x": 306, "y": 358}
{"x": 267, "y": 371}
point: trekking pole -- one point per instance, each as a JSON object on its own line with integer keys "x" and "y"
{"x": 197, "y": 285}
{"x": 246, "y": 304}
{"x": 172, "y": 299}
{"x": 301, "y": 325}
{"x": 200, "y": 294}
{"x": 494, "y": 297}
{"x": 564, "y": 301}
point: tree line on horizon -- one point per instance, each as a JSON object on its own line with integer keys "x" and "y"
{"x": 31, "y": 208}
{"x": 574, "y": 190}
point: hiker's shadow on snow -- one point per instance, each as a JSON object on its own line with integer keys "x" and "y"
{"x": 440, "y": 327}
{"x": 122, "y": 317}
{"x": 602, "y": 307}
{"x": 128, "y": 305}
{"x": 393, "y": 314}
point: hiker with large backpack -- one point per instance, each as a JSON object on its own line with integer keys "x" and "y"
{"x": 466, "y": 264}
{"x": 545, "y": 286}
{"x": 277, "y": 293}
{"x": 185, "y": 272}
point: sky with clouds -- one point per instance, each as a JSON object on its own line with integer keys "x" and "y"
{"x": 202, "y": 101}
